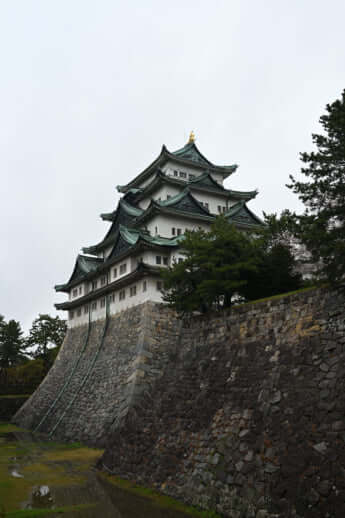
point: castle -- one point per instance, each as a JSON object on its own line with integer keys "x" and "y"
{"x": 179, "y": 191}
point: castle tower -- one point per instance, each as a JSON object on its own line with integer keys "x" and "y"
{"x": 179, "y": 191}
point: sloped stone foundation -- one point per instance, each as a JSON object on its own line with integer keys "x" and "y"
{"x": 243, "y": 412}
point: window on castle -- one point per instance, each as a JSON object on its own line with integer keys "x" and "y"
{"x": 94, "y": 305}
{"x": 71, "y": 315}
{"x": 123, "y": 268}
{"x": 75, "y": 292}
{"x": 78, "y": 312}
{"x": 94, "y": 285}
{"x": 144, "y": 286}
{"x": 159, "y": 285}
{"x": 175, "y": 173}
{"x": 80, "y": 290}
{"x": 86, "y": 308}
{"x": 103, "y": 302}
{"x": 122, "y": 295}
{"x": 183, "y": 175}
{"x": 156, "y": 230}
{"x": 114, "y": 273}
{"x": 132, "y": 291}
{"x": 179, "y": 231}
{"x": 165, "y": 261}
{"x": 219, "y": 209}
{"x": 168, "y": 196}
{"x": 112, "y": 297}
{"x": 173, "y": 231}
{"x": 158, "y": 259}
{"x": 103, "y": 280}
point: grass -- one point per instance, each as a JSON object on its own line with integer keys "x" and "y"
{"x": 8, "y": 427}
{"x": 36, "y": 513}
{"x": 158, "y": 499}
{"x": 275, "y": 297}
{"x": 14, "y": 396}
{"x": 41, "y": 463}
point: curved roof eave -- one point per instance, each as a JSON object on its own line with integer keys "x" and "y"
{"x": 165, "y": 155}
{"x": 84, "y": 263}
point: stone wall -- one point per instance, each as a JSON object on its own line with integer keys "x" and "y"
{"x": 93, "y": 383}
{"x": 242, "y": 412}
{"x": 249, "y": 417}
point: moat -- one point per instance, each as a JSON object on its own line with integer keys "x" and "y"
{"x": 44, "y": 478}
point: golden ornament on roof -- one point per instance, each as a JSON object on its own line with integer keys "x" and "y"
{"x": 191, "y": 136}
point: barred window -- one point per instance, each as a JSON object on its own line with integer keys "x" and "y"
{"x": 132, "y": 291}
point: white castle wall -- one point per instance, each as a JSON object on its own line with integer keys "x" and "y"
{"x": 151, "y": 293}
{"x": 164, "y": 225}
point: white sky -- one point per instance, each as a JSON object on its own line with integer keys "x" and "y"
{"x": 90, "y": 90}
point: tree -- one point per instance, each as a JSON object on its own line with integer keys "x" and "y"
{"x": 12, "y": 345}
{"x": 46, "y": 332}
{"x": 275, "y": 273}
{"x": 322, "y": 225}
{"x": 215, "y": 267}
{"x": 226, "y": 262}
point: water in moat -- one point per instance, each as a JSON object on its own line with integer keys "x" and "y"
{"x": 43, "y": 478}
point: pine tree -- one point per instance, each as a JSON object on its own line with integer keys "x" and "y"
{"x": 322, "y": 226}
{"x": 12, "y": 345}
{"x": 46, "y": 332}
{"x": 215, "y": 267}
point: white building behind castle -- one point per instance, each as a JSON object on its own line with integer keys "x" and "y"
{"x": 179, "y": 191}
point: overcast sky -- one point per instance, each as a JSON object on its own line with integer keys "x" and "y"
{"x": 90, "y": 90}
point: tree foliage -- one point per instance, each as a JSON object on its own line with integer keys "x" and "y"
{"x": 225, "y": 262}
{"x": 47, "y": 332}
{"x": 322, "y": 225}
{"x": 12, "y": 345}
{"x": 214, "y": 269}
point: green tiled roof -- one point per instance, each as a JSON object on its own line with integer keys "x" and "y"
{"x": 127, "y": 207}
{"x": 83, "y": 266}
{"x": 183, "y": 204}
{"x": 239, "y": 214}
{"x": 188, "y": 155}
{"x": 124, "y": 214}
{"x": 203, "y": 182}
{"x": 191, "y": 152}
{"x": 132, "y": 236}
